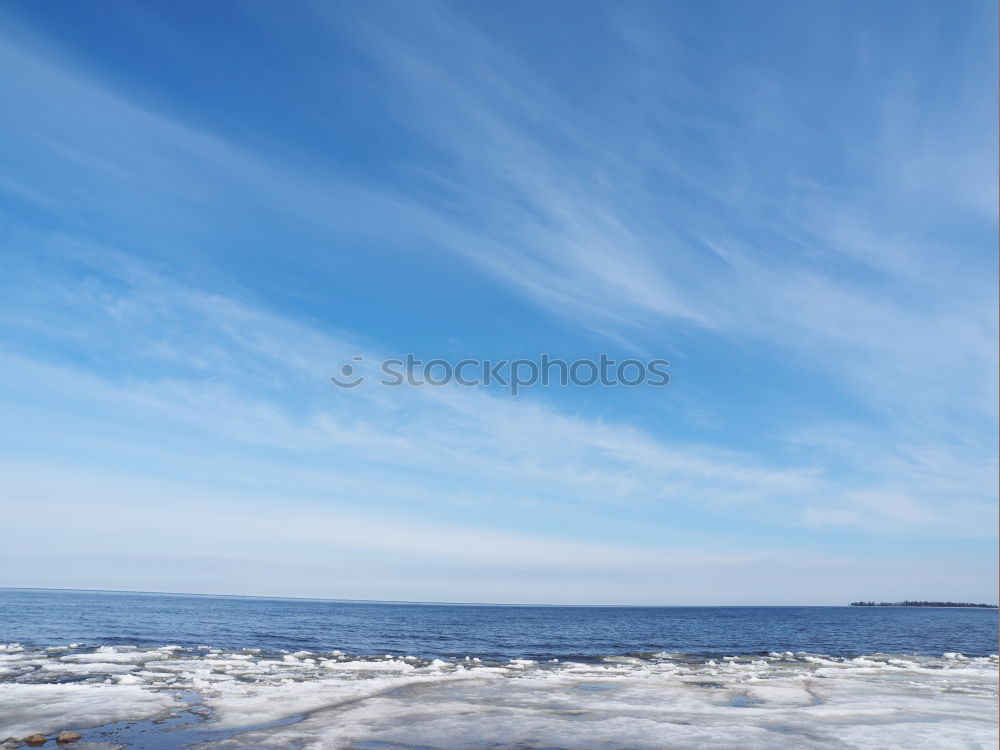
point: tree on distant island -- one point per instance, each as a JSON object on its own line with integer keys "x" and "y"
{"x": 908, "y": 603}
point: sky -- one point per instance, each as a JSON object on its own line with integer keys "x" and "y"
{"x": 206, "y": 209}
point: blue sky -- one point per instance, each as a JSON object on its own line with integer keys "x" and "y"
{"x": 206, "y": 208}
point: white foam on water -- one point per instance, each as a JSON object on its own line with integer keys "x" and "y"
{"x": 782, "y": 700}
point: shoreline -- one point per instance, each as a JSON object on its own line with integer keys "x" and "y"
{"x": 166, "y": 698}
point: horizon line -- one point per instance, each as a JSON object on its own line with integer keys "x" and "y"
{"x": 419, "y": 602}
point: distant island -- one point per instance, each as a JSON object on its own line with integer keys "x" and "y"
{"x": 922, "y": 604}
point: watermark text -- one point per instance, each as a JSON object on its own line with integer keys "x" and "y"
{"x": 513, "y": 374}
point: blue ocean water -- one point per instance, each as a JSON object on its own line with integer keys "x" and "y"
{"x": 43, "y": 618}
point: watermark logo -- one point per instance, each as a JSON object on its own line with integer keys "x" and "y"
{"x": 513, "y": 374}
{"x": 349, "y": 377}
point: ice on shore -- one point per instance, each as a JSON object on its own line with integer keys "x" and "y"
{"x": 780, "y": 700}
{"x": 47, "y": 708}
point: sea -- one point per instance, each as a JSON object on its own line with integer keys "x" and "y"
{"x": 158, "y": 671}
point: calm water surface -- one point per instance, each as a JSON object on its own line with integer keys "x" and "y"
{"x": 51, "y": 618}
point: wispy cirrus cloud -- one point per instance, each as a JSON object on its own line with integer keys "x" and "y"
{"x": 591, "y": 210}
{"x": 840, "y": 244}
{"x": 212, "y": 370}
